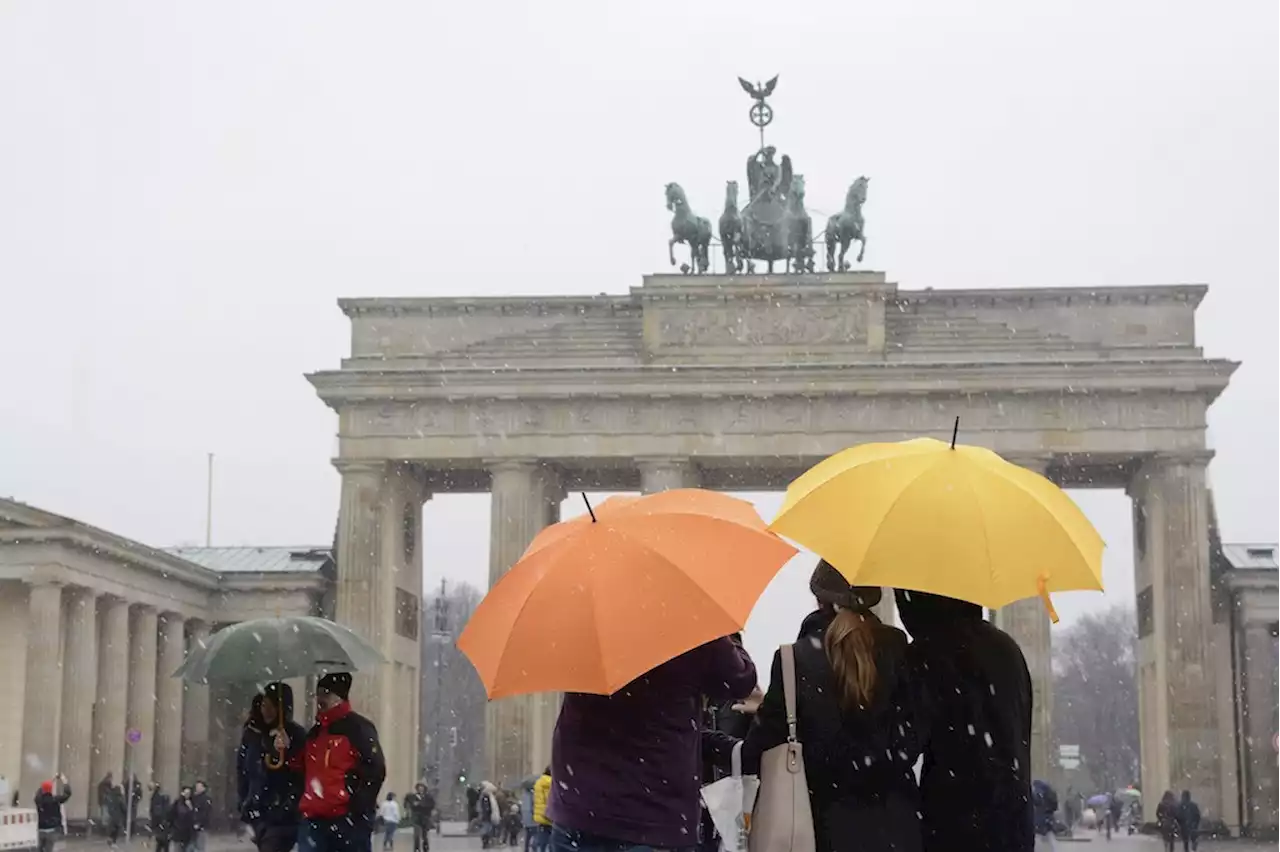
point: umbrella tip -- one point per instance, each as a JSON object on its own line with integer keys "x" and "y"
{"x": 590, "y": 511}
{"x": 955, "y": 430}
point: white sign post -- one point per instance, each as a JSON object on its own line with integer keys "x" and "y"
{"x": 1069, "y": 756}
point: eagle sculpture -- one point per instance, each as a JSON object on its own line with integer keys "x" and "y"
{"x": 762, "y": 92}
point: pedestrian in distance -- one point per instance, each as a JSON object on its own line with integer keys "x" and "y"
{"x": 182, "y": 821}
{"x": 419, "y": 810}
{"x": 104, "y": 794}
{"x": 117, "y": 813}
{"x": 1167, "y": 819}
{"x": 389, "y": 813}
{"x": 49, "y": 802}
{"x": 1044, "y": 804}
{"x": 203, "y": 808}
{"x": 158, "y": 810}
{"x": 1189, "y": 822}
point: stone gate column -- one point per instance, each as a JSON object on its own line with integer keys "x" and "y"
{"x": 195, "y": 714}
{"x": 142, "y": 692}
{"x": 663, "y": 474}
{"x": 79, "y": 689}
{"x": 523, "y": 493}
{"x": 1175, "y": 686}
{"x": 1258, "y": 643}
{"x": 109, "y": 711}
{"x": 1028, "y": 623}
{"x": 363, "y": 587}
{"x": 43, "y": 692}
{"x": 168, "y": 754}
{"x": 545, "y": 706}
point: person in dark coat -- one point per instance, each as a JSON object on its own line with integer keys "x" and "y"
{"x": 272, "y": 781}
{"x": 251, "y": 773}
{"x": 135, "y": 799}
{"x": 859, "y": 717}
{"x": 49, "y": 812}
{"x": 159, "y": 812}
{"x": 1044, "y": 807}
{"x": 419, "y": 810}
{"x": 1189, "y": 822}
{"x": 975, "y": 784}
{"x": 182, "y": 821}
{"x": 104, "y": 793}
{"x": 1167, "y": 819}
{"x": 628, "y": 765}
{"x": 203, "y": 807}
{"x": 117, "y": 812}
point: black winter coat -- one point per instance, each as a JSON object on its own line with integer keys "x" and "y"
{"x": 182, "y": 821}
{"x": 975, "y": 784}
{"x": 269, "y": 797}
{"x": 49, "y": 808}
{"x": 161, "y": 805}
{"x": 859, "y": 764}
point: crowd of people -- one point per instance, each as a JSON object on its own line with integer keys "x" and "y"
{"x": 627, "y": 768}
{"x": 504, "y": 818}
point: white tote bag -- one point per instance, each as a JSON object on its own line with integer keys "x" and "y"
{"x": 729, "y": 801}
{"x": 783, "y": 818}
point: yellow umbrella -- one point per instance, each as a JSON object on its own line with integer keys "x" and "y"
{"x": 952, "y": 520}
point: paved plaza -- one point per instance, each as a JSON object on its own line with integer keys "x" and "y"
{"x": 451, "y": 843}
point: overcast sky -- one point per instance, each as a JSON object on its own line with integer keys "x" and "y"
{"x": 186, "y": 189}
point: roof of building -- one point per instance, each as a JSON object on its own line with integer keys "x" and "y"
{"x": 1251, "y": 556}
{"x": 256, "y": 560}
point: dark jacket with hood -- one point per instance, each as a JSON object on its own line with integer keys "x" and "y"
{"x": 271, "y": 795}
{"x": 975, "y": 785}
{"x": 1188, "y": 815}
{"x": 859, "y": 763}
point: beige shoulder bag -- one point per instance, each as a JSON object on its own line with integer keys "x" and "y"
{"x": 782, "y": 820}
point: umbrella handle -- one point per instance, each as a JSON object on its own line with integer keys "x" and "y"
{"x": 276, "y": 762}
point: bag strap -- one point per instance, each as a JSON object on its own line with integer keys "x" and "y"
{"x": 788, "y": 655}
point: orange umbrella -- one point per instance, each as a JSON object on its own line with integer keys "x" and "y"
{"x": 599, "y": 600}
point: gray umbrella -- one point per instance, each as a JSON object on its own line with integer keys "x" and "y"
{"x": 267, "y": 649}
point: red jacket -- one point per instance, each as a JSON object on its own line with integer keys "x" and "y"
{"x": 343, "y": 766}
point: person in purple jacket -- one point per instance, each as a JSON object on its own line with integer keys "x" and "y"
{"x": 626, "y": 768}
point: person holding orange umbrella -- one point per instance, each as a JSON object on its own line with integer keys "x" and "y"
{"x": 629, "y": 610}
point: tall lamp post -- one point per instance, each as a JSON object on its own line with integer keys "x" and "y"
{"x": 440, "y": 636}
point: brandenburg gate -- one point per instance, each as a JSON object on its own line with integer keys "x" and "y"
{"x": 741, "y": 382}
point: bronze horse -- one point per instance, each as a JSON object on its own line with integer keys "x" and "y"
{"x": 687, "y": 227}
{"x": 847, "y": 226}
{"x": 731, "y": 229}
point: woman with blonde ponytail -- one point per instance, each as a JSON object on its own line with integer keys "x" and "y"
{"x": 859, "y": 718}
